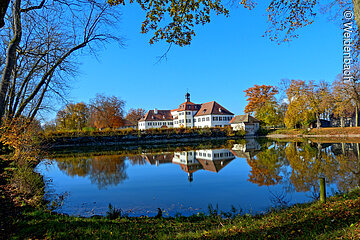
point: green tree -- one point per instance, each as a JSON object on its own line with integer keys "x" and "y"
{"x": 73, "y": 116}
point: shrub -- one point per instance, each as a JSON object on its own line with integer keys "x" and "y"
{"x": 28, "y": 183}
{"x": 113, "y": 213}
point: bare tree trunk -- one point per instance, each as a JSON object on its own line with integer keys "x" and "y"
{"x": 46, "y": 76}
{"x": 4, "y": 4}
{"x": 10, "y": 57}
{"x": 341, "y": 121}
{"x": 318, "y": 123}
{"x": 356, "y": 116}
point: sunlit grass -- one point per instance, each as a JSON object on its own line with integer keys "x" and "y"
{"x": 339, "y": 218}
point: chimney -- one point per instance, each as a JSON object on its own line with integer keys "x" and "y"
{"x": 155, "y": 111}
{"x": 187, "y": 97}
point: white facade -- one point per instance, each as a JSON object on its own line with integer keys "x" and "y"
{"x": 250, "y": 128}
{"x": 245, "y": 122}
{"x": 142, "y": 125}
{"x": 212, "y": 120}
{"x": 188, "y": 115}
{"x": 190, "y": 157}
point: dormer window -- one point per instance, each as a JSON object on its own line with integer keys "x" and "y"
{"x": 204, "y": 110}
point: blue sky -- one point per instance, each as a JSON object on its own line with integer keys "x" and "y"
{"x": 226, "y": 57}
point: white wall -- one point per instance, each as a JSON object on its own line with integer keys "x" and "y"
{"x": 250, "y": 129}
{"x": 155, "y": 124}
{"x": 215, "y": 154}
{"x": 213, "y": 120}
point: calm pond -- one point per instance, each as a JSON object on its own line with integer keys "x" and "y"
{"x": 252, "y": 175}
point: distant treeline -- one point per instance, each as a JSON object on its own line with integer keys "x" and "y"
{"x": 102, "y": 112}
{"x": 300, "y": 104}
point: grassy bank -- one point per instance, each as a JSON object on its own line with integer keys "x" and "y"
{"x": 338, "y": 218}
{"x": 344, "y": 134}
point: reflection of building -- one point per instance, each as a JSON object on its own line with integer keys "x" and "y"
{"x": 156, "y": 159}
{"x": 209, "y": 160}
{"x": 210, "y": 114}
{"x": 246, "y": 150}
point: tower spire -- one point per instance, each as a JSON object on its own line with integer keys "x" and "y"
{"x": 187, "y": 97}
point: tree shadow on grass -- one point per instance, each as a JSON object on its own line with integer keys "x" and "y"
{"x": 308, "y": 229}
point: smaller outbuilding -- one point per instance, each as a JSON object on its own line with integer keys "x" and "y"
{"x": 245, "y": 122}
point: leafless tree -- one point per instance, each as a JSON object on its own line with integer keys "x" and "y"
{"x": 43, "y": 42}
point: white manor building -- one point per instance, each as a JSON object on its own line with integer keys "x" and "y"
{"x": 210, "y": 114}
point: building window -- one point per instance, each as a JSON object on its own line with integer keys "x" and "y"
{"x": 199, "y": 119}
{"x": 203, "y": 119}
{"x": 220, "y": 118}
{"x": 194, "y": 119}
{"x": 207, "y": 118}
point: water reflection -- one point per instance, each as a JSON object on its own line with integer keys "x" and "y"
{"x": 101, "y": 170}
{"x": 295, "y": 167}
{"x": 298, "y": 163}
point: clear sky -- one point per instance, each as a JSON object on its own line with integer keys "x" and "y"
{"x": 226, "y": 57}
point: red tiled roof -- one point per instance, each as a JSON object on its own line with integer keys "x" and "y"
{"x": 244, "y": 118}
{"x": 162, "y": 158}
{"x": 188, "y": 106}
{"x": 162, "y": 115}
{"x": 190, "y": 168}
{"x": 214, "y": 165}
{"x": 212, "y": 108}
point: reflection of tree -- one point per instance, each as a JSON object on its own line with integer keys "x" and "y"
{"x": 103, "y": 170}
{"x": 349, "y": 169}
{"x": 265, "y": 169}
{"x": 137, "y": 160}
{"x": 308, "y": 164}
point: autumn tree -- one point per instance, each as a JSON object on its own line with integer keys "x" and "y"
{"x": 299, "y": 111}
{"x": 134, "y": 115}
{"x": 73, "y": 116}
{"x": 320, "y": 100}
{"x": 262, "y": 104}
{"x": 106, "y": 112}
{"x": 343, "y": 104}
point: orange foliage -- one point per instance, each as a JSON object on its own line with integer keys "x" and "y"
{"x": 258, "y": 96}
{"x": 106, "y": 112}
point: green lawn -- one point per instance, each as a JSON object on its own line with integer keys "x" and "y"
{"x": 338, "y": 218}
